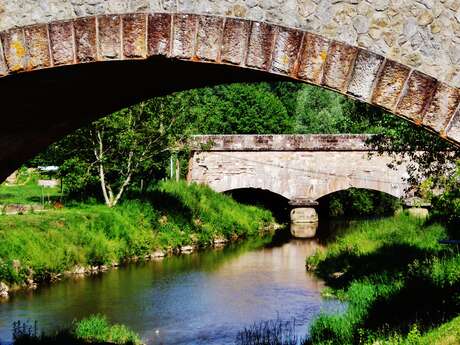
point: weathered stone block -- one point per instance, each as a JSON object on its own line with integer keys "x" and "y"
{"x": 183, "y": 43}
{"x": 453, "y": 132}
{"x": 235, "y": 40}
{"x": 36, "y": 38}
{"x": 390, "y": 84}
{"x": 418, "y": 93}
{"x": 260, "y": 46}
{"x": 62, "y": 43}
{"x": 286, "y": 52}
{"x": 313, "y": 57}
{"x": 85, "y": 39}
{"x": 209, "y": 38}
{"x": 3, "y": 66}
{"x": 442, "y": 107}
{"x": 134, "y": 36}
{"x": 159, "y": 34}
{"x": 109, "y": 40}
{"x": 367, "y": 66}
{"x": 339, "y": 65}
{"x": 15, "y": 49}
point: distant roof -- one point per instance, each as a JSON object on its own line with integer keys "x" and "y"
{"x": 48, "y": 168}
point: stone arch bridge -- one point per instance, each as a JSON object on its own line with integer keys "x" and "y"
{"x": 64, "y": 63}
{"x": 301, "y": 168}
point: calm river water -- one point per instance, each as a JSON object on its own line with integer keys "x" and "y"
{"x": 203, "y": 298}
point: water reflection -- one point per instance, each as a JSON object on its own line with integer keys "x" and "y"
{"x": 203, "y": 298}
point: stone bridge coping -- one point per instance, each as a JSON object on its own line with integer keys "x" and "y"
{"x": 310, "y": 142}
{"x": 284, "y": 51}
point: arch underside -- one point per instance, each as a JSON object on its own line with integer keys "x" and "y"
{"x": 157, "y": 53}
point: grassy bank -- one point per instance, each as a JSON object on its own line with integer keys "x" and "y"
{"x": 95, "y": 329}
{"x": 398, "y": 281}
{"x": 40, "y": 247}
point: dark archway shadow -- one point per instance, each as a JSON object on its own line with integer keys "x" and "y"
{"x": 42, "y": 106}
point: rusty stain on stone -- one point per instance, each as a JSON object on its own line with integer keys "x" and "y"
{"x": 15, "y": 49}
{"x": 210, "y": 31}
{"x": 159, "y": 34}
{"x": 313, "y": 57}
{"x": 286, "y": 50}
{"x": 36, "y": 38}
{"x": 442, "y": 107}
{"x": 85, "y": 39}
{"x": 134, "y": 38}
{"x": 109, "y": 37}
{"x": 366, "y": 68}
{"x": 183, "y": 43}
{"x": 62, "y": 43}
{"x": 236, "y": 33}
{"x": 415, "y": 99}
{"x": 390, "y": 84}
{"x": 339, "y": 65}
{"x": 260, "y": 45}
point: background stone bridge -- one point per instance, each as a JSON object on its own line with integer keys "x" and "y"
{"x": 402, "y": 55}
{"x": 297, "y": 167}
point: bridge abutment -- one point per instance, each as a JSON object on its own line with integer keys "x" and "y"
{"x": 304, "y": 218}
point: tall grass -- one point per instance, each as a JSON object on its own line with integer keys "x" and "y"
{"x": 95, "y": 329}
{"x": 41, "y": 246}
{"x": 394, "y": 275}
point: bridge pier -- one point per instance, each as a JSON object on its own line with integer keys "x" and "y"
{"x": 304, "y": 218}
{"x": 416, "y": 207}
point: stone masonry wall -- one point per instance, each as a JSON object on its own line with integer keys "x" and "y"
{"x": 424, "y": 34}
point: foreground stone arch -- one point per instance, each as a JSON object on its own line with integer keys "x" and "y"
{"x": 65, "y": 38}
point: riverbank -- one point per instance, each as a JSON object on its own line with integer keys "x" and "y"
{"x": 95, "y": 329}
{"x": 400, "y": 284}
{"x": 174, "y": 218}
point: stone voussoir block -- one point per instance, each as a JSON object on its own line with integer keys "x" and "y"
{"x": 159, "y": 34}
{"x": 286, "y": 51}
{"x": 235, "y": 41}
{"x": 416, "y": 96}
{"x": 339, "y": 65}
{"x": 14, "y": 49}
{"x": 366, "y": 69}
{"x": 85, "y": 39}
{"x": 109, "y": 37}
{"x": 184, "y": 36}
{"x": 209, "y": 38}
{"x": 37, "y": 44}
{"x": 261, "y": 44}
{"x": 390, "y": 84}
{"x": 312, "y": 58}
{"x": 442, "y": 107}
{"x": 135, "y": 35}
{"x": 62, "y": 43}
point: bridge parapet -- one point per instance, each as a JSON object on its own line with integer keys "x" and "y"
{"x": 309, "y": 142}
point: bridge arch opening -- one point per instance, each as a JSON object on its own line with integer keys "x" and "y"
{"x": 276, "y": 203}
{"x": 357, "y": 203}
{"x": 160, "y": 53}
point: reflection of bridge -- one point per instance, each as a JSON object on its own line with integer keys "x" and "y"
{"x": 301, "y": 168}
{"x": 399, "y": 55}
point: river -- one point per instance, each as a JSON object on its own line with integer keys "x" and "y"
{"x": 202, "y": 298}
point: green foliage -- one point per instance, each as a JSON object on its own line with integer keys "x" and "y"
{"x": 96, "y": 328}
{"x": 41, "y": 246}
{"x": 446, "y": 206}
{"x": 394, "y": 274}
{"x": 355, "y": 202}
